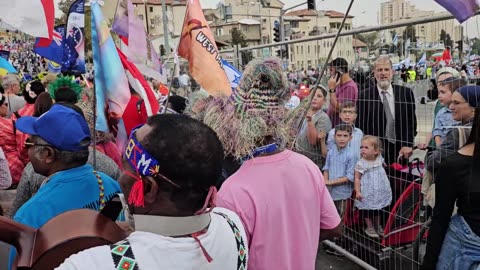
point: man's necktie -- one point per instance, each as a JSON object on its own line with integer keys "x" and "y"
{"x": 390, "y": 127}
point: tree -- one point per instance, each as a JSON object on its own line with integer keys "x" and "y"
{"x": 447, "y": 40}
{"x": 410, "y": 33}
{"x": 476, "y": 46}
{"x": 369, "y": 38}
{"x": 238, "y": 38}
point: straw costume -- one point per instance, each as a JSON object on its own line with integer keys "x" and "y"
{"x": 255, "y": 110}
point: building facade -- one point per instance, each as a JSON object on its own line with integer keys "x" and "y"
{"x": 313, "y": 54}
{"x": 150, "y": 12}
{"x": 266, "y": 12}
{"x": 402, "y": 10}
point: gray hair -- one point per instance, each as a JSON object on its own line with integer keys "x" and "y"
{"x": 382, "y": 59}
{"x": 66, "y": 157}
{"x": 9, "y": 80}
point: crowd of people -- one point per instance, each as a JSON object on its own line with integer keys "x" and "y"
{"x": 284, "y": 175}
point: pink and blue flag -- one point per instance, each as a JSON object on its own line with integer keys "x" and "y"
{"x": 460, "y": 9}
{"x": 111, "y": 83}
{"x": 140, "y": 49}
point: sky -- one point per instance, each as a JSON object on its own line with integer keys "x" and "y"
{"x": 365, "y": 11}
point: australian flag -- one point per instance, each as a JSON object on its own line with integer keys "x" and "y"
{"x": 53, "y": 49}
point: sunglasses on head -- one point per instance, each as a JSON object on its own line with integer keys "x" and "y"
{"x": 29, "y": 143}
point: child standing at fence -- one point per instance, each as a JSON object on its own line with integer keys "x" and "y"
{"x": 348, "y": 115}
{"x": 339, "y": 168}
{"x": 372, "y": 187}
{"x": 444, "y": 120}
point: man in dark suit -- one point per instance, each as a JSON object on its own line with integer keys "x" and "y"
{"x": 388, "y": 112}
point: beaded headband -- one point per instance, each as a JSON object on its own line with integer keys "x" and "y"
{"x": 144, "y": 164}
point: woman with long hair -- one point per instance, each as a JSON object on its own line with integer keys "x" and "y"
{"x": 454, "y": 241}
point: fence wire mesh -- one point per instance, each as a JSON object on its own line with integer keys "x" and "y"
{"x": 398, "y": 239}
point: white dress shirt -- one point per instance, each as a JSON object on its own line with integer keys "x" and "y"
{"x": 390, "y": 98}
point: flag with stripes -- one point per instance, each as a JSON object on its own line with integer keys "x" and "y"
{"x": 111, "y": 83}
{"x": 423, "y": 60}
{"x": 232, "y": 73}
{"x": 395, "y": 40}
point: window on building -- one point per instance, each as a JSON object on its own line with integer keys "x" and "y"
{"x": 294, "y": 24}
{"x": 301, "y": 50}
{"x": 264, "y": 20}
{"x": 308, "y": 49}
{"x": 219, "y": 31}
{"x": 140, "y": 16}
{"x": 244, "y": 28}
{"x": 297, "y": 50}
{"x": 151, "y": 9}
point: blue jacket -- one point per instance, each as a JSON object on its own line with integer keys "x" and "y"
{"x": 67, "y": 190}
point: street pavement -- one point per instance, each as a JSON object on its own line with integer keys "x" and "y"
{"x": 331, "y": 262}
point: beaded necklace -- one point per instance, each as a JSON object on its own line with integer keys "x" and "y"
{"x": 102, "y": 191}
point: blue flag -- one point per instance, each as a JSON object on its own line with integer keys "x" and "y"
{"x": 5, "y": 54}
{"x": 233, "y": 74}
{"x": 6, "y": 67}
{"x": 460, "y": 9}
{"x": 74, "y": 39}
{"x": 54, "y": 50}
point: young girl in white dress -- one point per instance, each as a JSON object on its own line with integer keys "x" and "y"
{"x": 372, "y": 187}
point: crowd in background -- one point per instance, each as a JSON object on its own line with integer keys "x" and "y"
{"x": 342, "y": 142}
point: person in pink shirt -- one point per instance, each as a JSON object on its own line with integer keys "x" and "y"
{"x": 341, "y": 88}
{"x": 279, "y": 195}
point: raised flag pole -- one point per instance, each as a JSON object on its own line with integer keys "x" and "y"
{"x": 94, "y": 135}
{"x": 94, "y": 106}
{"x": 324, "y": 68}
{"x": 170, "y": 87}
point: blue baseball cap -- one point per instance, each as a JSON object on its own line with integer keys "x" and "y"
{"x": 62, "y": 127}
